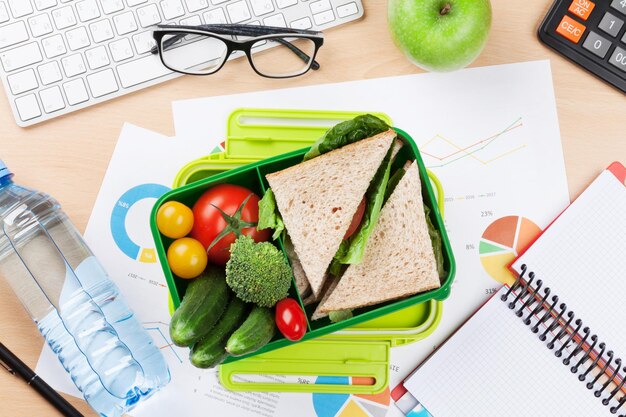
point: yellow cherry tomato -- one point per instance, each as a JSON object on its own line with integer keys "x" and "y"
{"x": 187, "y": 257}
{"x": 174, "y": 219}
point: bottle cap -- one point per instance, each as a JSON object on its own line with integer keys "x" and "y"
{"x": 4, "y": 171}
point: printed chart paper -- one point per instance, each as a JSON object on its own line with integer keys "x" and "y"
{"x": 490, "y": 135}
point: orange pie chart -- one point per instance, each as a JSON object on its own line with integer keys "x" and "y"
{"x": 502, "y": 241}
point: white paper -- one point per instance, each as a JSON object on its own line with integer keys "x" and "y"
{"x": 468, "y": 106}
{"x": 514, "y": 168}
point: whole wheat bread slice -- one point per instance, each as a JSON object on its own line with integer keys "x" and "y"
{"x": 318, "y": 198}
{"x": 399, "y": 259}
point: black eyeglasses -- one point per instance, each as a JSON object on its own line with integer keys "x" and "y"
{"x": 272, "y": 51}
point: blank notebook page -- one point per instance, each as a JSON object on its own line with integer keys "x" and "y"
{"x": 495, "y": 366}
{"x": 582, "y": 258}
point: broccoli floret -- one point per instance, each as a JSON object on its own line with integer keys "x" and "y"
{"x": 257, "y": 272}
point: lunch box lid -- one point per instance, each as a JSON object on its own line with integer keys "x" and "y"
{"x": 359, "y": 353}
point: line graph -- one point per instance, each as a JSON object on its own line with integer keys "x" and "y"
{"x": 155, "y": 326}
{"x": 445, "y": 151}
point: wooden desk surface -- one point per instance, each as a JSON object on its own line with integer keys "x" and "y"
{"x": 67, "y": 157}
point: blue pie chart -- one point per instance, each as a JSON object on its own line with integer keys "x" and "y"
{"x": 119, "y": 216}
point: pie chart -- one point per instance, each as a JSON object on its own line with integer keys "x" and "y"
{"x": 346, "y": 405}
{"x": 502, "y": 241}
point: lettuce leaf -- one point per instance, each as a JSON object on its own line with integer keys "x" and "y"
{"x": 353, "y": 251}
{"x": 437, "y": 243}
{"x": 347, "y": 132}
{"x": 269, "y": 217}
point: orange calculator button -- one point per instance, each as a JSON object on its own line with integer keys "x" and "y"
{"x": 570, "y": 29}
{"x": 581, "y": 8}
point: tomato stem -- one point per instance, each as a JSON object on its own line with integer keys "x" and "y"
{"x": 234, "y": 224}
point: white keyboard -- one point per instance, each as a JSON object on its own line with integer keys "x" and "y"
{"x": 59, "y": 56}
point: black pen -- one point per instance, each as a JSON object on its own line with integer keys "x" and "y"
{"x": 14, "y": 365}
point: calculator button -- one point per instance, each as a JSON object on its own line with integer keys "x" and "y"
{"x": 619, "y": 5}
{"x": 581, "y": 8}
{"x": 618, "y": 59}
{"x": 611, "y": 24}
{"x": 596, "y": 44}
{"x": 570, "y": 29}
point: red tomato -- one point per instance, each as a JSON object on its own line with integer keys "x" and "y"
{"x": 356, "y": 220}
{"x": 290, "y": 319}
{"x": 209, "y": 222}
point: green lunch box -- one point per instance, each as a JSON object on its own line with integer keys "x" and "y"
{"x": 358, "y": 347}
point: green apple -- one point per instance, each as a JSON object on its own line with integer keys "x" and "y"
{"x": 440, "y": 35}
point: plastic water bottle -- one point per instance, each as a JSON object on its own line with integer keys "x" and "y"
{"x": 78, "y": 309}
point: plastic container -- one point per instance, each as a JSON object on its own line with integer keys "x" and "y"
{"x": 252, "y": 176}
{"x": 110, "y": 357}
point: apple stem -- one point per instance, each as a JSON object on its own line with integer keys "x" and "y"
{"x": 445, "y": 9}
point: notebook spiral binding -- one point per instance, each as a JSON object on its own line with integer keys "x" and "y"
{"x": 588, "y": 352}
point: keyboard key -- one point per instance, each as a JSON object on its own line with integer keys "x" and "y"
{"x": 121, "y": 50}
{"x": 125, "y": 23}
{"x": 324, "y": 17}
{"x": 580, "y": 8}
{"x": 619, "y": 5}
{"x": 49, "y": 73}
{"x": 596, "y": 44}
{"x": 45, "y": 4}
{"x": 73, "y": 65}
{"x": 102, "y": 83}
{"x": 77, "y": 38}
{"x": 20, "y": 57}
{"x": 172, "y": 9}
{"x": 319, "y": 6}
{"x": 276, "y": 20}
{"x": 143, "y": 42}
{"x": 4, "y": 13}
{"x": 20, "y": 8}
{"x": 64, "y": 17}
{"x": 618, "y": 59}
{"x": 304, "y": 23}
{"x": 610, "y": 24}
{"x": 13, "y": 34}
{"x": 195, "y": 5}
{"x": 87, "y": 10}
{"x": 27, "y": 107}
{"x": 97, "y": 57}
{"x": 261, "y": 7}
{"x": 219, "y": 1}
{"x": 191, "y": 21}
{"x": 40, "y": 25}
{"x": 101, "y": 31}
{"x": 285, "y": 3}
{"x": 22, "y": 81}
{"x": 148, "y": 15}
{"x": 75, "y": 92}
{"x": 215, "y": 16}
{"x": 52, "y": 99}
{"x": 238, "y": 11}
{"x": 111, "y": 6}
{"x": 54, "y": 46}
{"x": 141, "y": 70}
{"x": 350, "y": 9}
{"x": 570, "y": 29}
{"x": 132, "y": 3}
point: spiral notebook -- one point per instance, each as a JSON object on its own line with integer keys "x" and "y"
{"x": 552, "y": 344}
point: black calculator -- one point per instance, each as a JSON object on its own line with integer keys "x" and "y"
{"x": 590, "y": 33}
